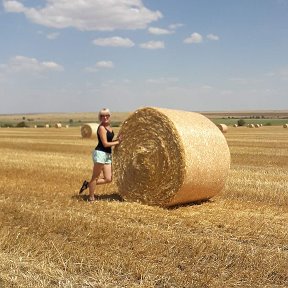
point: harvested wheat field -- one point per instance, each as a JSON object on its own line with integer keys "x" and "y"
{"x": 51, "y": 237}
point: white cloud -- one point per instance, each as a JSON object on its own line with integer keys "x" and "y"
{"x": 91, "y": 69}
{"x": 152, "y": 45}
{"x": 88, "y": 15}
{"x": 194, "y": 38}
{"x": 226, "y": 92}
{"x": 50, "y": 65}
{"x": 281, "y": 74}
{"x": 105, "y": 64}
{"x": 212, "y": 37}
{"x": 239, "y": 80}
{"x": 20, "y": 64}
{"x": 159, "y": 31}
{"x": 52, "y": 36}
{"x": 206, "y": 87}
{"x": 175, "y": 26}
{"x": 114, "y": 42}
{"x": 162, "y": 80}
{"x": 13, "y": 6}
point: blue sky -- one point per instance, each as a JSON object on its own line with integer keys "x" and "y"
{"x": 82, "y": 55}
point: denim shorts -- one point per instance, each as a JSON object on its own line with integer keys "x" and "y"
{"x": 101, "y": 157}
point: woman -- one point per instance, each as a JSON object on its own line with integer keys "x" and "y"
{"x": 102, "y": 154}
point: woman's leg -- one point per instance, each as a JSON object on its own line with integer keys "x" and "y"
{"x": 97, "y": 169}
{"x": 107, "y": 173}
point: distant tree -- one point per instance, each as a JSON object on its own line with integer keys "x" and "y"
{"x": 7, "y": 125}
{"x": 21, "y": 124}
{"x": 23, "y": 118}
{"x": 71, "y": 121}
{"x": 241, "y": 122}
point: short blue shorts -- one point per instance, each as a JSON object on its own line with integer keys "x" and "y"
{"x": 101, "y": 157}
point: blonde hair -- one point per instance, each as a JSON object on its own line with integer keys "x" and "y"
{"x": 103, "y": 111}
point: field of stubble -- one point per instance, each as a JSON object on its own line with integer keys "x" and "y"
{"x": 51, "y": 237}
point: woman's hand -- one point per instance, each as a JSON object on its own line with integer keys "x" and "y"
{"x": 119, "y": 138}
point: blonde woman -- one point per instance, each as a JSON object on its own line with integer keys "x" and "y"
{"x": 102, "y": 154}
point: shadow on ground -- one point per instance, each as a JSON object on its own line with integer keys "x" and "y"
{"x": 105, "y": 197}
{"x": 195, "y": 203}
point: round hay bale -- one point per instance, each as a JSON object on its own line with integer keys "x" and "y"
{"x": 58, "y": 125}
{"x": 257, "y": 125}
{"x": 169, "y": 157}
{"x": 251, "y": 125}
{"x": 285, "y": 126}
{"x": 89, "y": 130}
{"x": 47, "y": 126}
{"x": 235, "y": 125}
{"x": 223, "y": 128}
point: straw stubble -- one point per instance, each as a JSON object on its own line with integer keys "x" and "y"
{"x": 169, "y": 157}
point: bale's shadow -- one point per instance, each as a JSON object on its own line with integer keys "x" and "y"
{"x": 104, "y": 197}
{"x": 189, "y": 204}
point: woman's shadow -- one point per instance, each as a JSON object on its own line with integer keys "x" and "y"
{"x": 105, "y": 197}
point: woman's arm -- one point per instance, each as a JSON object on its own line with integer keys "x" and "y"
{"x": 102, "y": 134}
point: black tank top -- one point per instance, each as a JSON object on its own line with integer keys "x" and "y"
{"x": 109, "y": 137}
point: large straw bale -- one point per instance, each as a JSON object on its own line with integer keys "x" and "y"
{"x": 285, "y": 126}
{"x": 89, "y": 130}
{"x": 235, "y": 125}
{"x": 223, "y": 127}
{"x": 257, "y": 126}
{"x": 58, "y": 125}
{"x": 169, "y": 157}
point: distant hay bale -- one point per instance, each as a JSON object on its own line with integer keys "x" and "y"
{"x": 235, "y": 125}
{"x": 257, "y": 126}
{"x": 47, "y": 126}
{"x": 58, "y": 125}
{"x": 223, "y": 128}
{"x": 35, "y": 126}
{"x": 169, "y": 157}
{"x": 66, "y": 126}
{"x": 261, "y": 125}
{"x": 285, "y": 126}
{"x": 89, "y": 130}
{"x": 251, "y": 125}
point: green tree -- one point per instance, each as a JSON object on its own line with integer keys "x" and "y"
{"x": 241, "y": 122}
{"x": 21, "y": 124}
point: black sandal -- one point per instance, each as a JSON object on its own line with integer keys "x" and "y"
{"x": 84, "y": 186}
